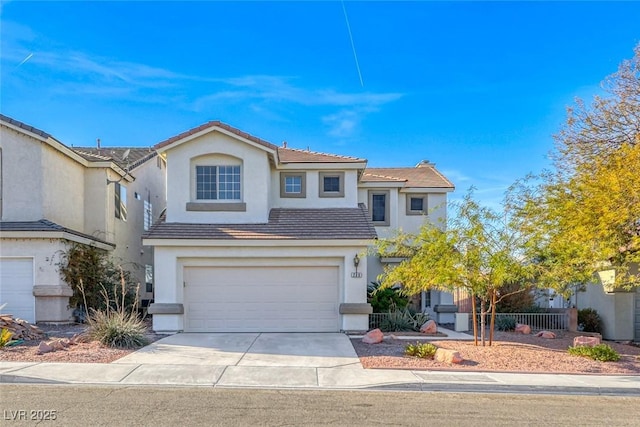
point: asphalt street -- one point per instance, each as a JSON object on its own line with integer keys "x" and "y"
{"x": 82, "y": 405}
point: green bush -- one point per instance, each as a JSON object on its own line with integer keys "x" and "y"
{"x": 403, "y": 320}
{"x": 117, "y": 329}
{"x": 421, "y": 350}
{"x": 589, "y": 320}
{"x": 383, "y": 300}
{"x": 505, "y": 323}
{"x": 601, "y": 352}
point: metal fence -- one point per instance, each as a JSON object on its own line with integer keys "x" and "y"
{"x": 536, "y": 321}
{"x": 375, "y": 319}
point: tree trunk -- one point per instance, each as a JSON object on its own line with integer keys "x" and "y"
{"x": 474, "y": 317}
{"x": 494, "y": 298}
{"x": 482, "y": 321}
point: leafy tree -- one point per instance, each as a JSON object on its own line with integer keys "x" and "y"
{"x": 478, "y": 251}
{"x": 584, "y": 216}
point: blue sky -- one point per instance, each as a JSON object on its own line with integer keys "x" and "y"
{"x": 478, "y": 88}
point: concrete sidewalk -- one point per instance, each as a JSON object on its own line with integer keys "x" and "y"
{"x": 318, "y": 378}
{"x": 300, "y": 361}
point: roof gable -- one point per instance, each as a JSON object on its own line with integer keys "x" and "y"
{"x": 213, "y": 126}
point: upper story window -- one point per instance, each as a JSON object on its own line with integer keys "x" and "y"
{"x": 416, "y": 204}
{"x": 120, "y": 201}
{"x": 293, "y": 184}
{"x": 218, "y": 182}
{"x": 331, "y": 184}
{"x": 379, "y": 207}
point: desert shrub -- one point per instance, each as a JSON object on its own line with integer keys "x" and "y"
{"x": 383, "y": 300}
{"x": 421, "y": 350}
{"x": 403, "y": 320}
{"x": 117, "y": 328}
{"x": 505, "y": 323}
{"x": 589, "y": 320}
{"x": 98, "y": 274}
{"x": 601, "y": 352}
{"x": 118, "y": 324}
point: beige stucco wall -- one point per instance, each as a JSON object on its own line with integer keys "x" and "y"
{"x": 22, "y": 179}
{"x": 62, "y": 189}
{"x": 170, "y": 261}
{"x": 313, "y": 199}
{"x": 616, "y": 311}
{"x": 255, "y": 180}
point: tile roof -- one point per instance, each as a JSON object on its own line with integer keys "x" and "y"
{"x": 136, "y": 157}
{"x": 292, "y": 155}
{"x": 45, "y": 226}
{"x": 211, "y": 124}
{"x": 424, "y": 175}
{"x": 24, "y": 126}
{"x": 284, "y": 224}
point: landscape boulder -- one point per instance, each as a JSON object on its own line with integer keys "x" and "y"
{"x": 546, "y": 334}
{"x": 374, "y": 336}
{"x": 447, "y": 356}
{"x": 523, "y": 329}
{"x": 44, "y": 348}
{"x": 430, "y": 327}
{"x": 586, "y": 341}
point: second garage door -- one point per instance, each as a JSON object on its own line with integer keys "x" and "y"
{"x": 261, "y": 299}
{"x": 16, "y": 288}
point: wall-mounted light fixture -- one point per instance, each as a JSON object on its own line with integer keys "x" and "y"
{"x": 356, "y": 261}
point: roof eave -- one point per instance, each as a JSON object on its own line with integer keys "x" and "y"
{"x": 275, "y": 242}
{"x": 58, "y": 234}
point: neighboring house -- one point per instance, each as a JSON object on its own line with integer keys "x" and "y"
{"x": 402, "y": 199}
{"x": 619, "y": 311}
{"x": 53, "y": 195}
{"x": 264, "y": 238}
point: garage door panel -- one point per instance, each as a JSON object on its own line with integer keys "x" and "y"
{"x": 16, "y": 287}
{"x": 268, "y": 299}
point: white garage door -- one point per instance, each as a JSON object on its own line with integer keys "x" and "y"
{"x": 261, "y": 299}
{"x": 16, "y": 288}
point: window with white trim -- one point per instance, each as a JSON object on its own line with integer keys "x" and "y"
{"x": 217, "y": 182}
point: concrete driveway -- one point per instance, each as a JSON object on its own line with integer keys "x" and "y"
{"x": 314, "y": 350}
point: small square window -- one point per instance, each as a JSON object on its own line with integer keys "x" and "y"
{"x": 293, "y": 185}
{"x": 416, "y": 203}
{"x": 331, "y": 184}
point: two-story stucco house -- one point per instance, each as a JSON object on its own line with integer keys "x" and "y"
{"x": 53, "y": 195}
{"x": 258, "y": 237}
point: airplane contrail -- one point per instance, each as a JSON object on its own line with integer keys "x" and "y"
{"x": 25, "y": 60}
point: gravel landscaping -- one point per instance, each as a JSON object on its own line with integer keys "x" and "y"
{"x": 510, "y": 352}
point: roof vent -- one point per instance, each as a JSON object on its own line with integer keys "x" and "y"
{"x": 98, "y": 143}
{"x": 425, "y": 163}
{"x": 284, "y": 144}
